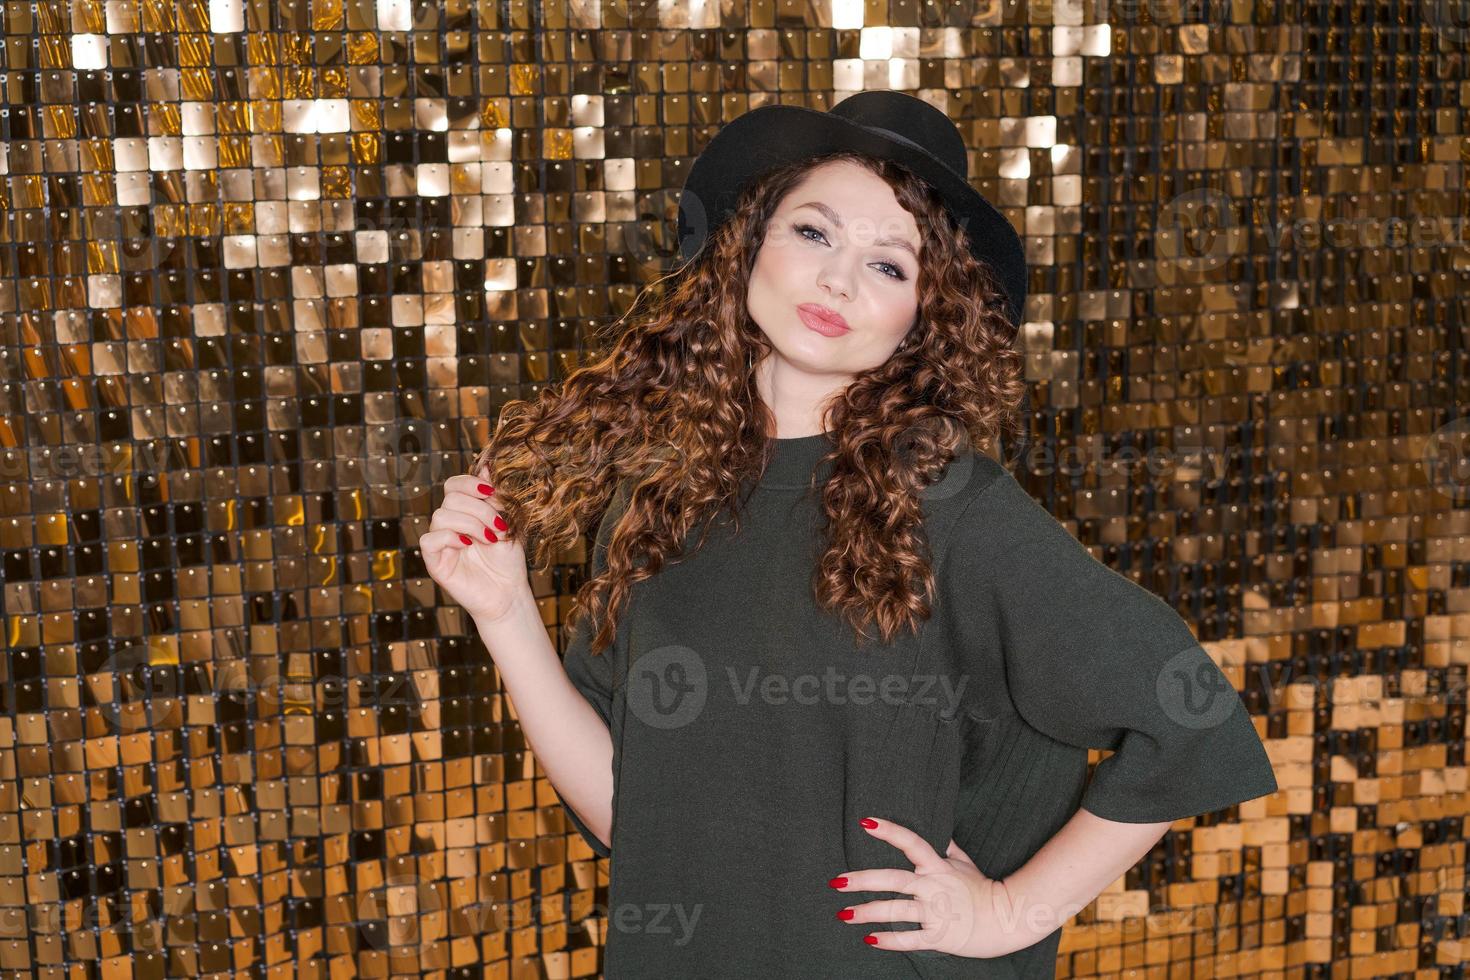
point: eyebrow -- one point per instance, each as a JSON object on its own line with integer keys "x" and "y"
{"x": 832, "y": 217}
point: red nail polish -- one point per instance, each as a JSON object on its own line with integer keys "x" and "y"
{"x": 868, "y": 822}
{"x": 838, "y": 882}
{"x": 870, "y": 939}
{"x": 489, "y": 535}
{"x": 467, "y": 539}
{"x": 845, "y": 914}
{"x": 486, "y": 489}
{"x": 500, "y": 524}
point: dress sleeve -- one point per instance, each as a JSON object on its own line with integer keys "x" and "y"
{"x": 1094, "y": 660}
{"x": 593, "y": 675}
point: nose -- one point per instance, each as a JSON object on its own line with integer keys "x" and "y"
{"x": 834, "y": 279}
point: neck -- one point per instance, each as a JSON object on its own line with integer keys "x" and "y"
{"x": 796, "y": 398}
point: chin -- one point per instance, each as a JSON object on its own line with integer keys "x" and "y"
{"x": 811, "y": 359}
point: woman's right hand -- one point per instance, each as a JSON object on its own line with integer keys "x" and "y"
{"x": 471, "y": 553}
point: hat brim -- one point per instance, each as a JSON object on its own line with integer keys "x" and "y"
{"x": 774, "y": 135}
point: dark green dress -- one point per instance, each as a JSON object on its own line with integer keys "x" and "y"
{"x": 751, "y": 734}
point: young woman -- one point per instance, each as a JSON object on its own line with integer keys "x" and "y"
{"x": 829, "y": 697}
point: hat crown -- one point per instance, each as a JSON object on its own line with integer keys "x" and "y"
{"x": 909, "y": 118}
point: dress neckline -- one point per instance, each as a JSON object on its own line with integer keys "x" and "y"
{"x": 793, "y": 461}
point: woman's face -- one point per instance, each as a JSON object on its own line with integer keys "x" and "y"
{"x": 839, "y": 244}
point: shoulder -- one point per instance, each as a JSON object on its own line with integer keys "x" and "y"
{"x": 995, "y": 525}
{"x": 613, "y": 512}
{"x": 967, "y": 477}
{"x": 979, "y": 491}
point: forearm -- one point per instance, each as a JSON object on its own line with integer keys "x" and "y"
{"x": 1071, "y": 869}
{"x": 570, "y": 741}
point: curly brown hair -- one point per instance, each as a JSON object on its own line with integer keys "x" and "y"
{"x": 673, "y": 408}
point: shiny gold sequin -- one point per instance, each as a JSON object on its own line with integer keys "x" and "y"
{"x": 256, "y": 252}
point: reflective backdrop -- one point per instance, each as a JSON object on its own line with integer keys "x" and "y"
{"x": 270, "y": 269}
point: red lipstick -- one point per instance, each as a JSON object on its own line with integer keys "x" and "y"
{"x": 824, "y": 321}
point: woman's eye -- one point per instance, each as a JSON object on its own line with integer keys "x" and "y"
{"x": 894, "y": 273}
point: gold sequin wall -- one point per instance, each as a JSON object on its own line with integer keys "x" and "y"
{"x": 270, "y": 269}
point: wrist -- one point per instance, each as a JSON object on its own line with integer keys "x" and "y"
{"x": 1030, "y": 920}
{"x": 1008, "y": 912}
{"x": 523, "y": 614}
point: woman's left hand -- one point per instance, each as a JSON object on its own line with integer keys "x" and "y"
{"x": 959, "y": 910}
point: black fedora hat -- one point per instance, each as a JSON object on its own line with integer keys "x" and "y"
{"x": 888, "y": 125}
